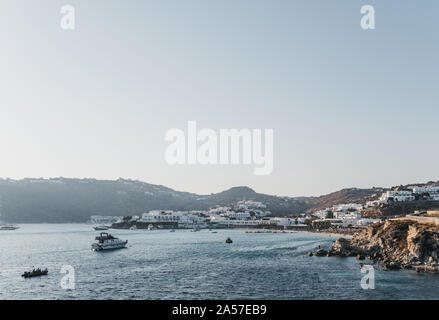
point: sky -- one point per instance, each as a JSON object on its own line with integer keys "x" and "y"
{"x": 349, "y": 107}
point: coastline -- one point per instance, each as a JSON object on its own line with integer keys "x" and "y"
{"x": 335, "y": 234}
{"x": 395, "y": 243}
{"x": 327, "y": 233}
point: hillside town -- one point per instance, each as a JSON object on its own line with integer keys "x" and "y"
{"x": 410, "y": 193}
{"x": 251, "y": 214}
{"x": 245, "y": 214}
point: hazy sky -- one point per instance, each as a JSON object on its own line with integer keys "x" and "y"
{"x": 348, "y": 107}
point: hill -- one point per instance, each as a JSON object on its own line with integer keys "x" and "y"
{"x": 62, "y": 200}
{"x": 75, "y": 200}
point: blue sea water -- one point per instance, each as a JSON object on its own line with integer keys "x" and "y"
{"x": 191, "y": 265}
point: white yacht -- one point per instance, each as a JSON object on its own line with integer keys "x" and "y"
{"x": 106, "y": 241}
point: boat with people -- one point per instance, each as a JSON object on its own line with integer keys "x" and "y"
{"x": 101, "y": 228}
{"x": 228, "y": 240}
{"x": 35, "y": 273}
{"x": 106, "y": 241}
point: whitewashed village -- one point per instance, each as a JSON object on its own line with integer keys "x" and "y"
{"x": 250, "y": 214}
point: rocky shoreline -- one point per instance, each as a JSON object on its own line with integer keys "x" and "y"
{"x": 393, "y": 244}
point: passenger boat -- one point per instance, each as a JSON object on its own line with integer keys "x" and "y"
{"x": 106, "y": 241}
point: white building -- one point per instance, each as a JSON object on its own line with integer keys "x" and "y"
{"x": 347, "y": 215}
{"x": 322, "y": 214}
{"x": 284, "y": 222}
{"x": 426, "y": 189}
{"x": 399, "y": 196}
{"x": 347, "y": 207}
{"x": 434, "y": 196}
{"x": 432, "y": 191}
{"x": 237, "y": 223}
{"x": 219, "y": 210}
{"x": 301, "y": 220}
{"x": 340, "y": 210}
{"x": 238, "y": 215}
{"x": 247, "y": 204}
{"x": 182, "y": 218}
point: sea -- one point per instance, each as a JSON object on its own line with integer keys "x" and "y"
{"x": 159, "y": 264}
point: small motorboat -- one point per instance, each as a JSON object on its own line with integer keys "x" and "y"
{"x": 35, "y": 273}
{"x": 101, "y": 228}
{"x": 8, "y": 228}
{"x": 228, "y": 240}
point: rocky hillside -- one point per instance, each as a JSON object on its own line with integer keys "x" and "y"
{"x": 351, "y": 195}
{"x": 395, "y": 244}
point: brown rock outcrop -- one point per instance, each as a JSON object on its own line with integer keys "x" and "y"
{"x": 395, "y": 244}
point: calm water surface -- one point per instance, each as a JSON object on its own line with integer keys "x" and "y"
{"x": 191, "y": 265}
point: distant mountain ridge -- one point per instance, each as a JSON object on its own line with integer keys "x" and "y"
{"x": 62, "y": 200}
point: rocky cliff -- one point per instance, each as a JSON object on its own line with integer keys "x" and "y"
{"x": 394, "y": 244}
